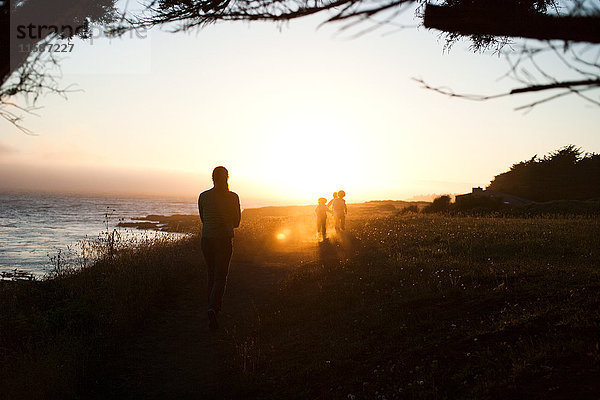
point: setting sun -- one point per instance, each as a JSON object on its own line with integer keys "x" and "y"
{"x": 311, "y": 153}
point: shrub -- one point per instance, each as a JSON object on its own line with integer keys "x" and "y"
{"x": 478, "y": 203}
{"x": 440, "y": 204}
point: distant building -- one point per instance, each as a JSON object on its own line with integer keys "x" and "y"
{"x": 507, "y": 199}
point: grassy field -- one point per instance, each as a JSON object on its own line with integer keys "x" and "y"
{"x": 398, "y": 306}
{"x": 439, "y": 307}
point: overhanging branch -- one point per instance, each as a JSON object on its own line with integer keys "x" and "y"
{"x": 502, "y": 22}
{"x": 556, "y": 85}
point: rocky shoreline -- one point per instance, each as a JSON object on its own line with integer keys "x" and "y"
{"x": 179, "y": 223}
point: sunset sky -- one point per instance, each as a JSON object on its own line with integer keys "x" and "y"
{"x": 293, "y": 112}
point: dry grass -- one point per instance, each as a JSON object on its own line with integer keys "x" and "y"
{"x": 402, "y": 306}
{"x": 439, "y": 307}
{"x": 54, "y": 332}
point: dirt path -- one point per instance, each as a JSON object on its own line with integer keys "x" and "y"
{"x": 176, "y": 357}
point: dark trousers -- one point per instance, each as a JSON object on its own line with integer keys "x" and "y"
{"x": 217, "y": 254}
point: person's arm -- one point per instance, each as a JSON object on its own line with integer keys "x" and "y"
{"x": 200, "y": 208}
{"x": 345, "y": 208}
{"x": 237, "y": 212}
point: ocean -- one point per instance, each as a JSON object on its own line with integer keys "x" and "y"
{"x": 34, "y": 227}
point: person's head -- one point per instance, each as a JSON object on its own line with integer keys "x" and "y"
{"x": 322, "y": 200}
{"x": 341, "y": 194}
{"x": 220, "y": 175}
{"x": 335, "y": 195}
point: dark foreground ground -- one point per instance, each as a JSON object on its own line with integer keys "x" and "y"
{"x": 399, "y": 306}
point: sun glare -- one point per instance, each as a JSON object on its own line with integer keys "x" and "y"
{"x": 283, "y": 234}
{"x": 310, "y": 155}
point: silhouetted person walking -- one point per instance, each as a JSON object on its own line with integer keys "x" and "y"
{"x": 339, "y": 211}
{"x": 335, "y": 196}
{"x": 220, "y": 214}
{"x": 321, "y": 210}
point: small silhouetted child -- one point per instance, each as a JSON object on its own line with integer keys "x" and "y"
{"x": 321, "y": 211}
{"x": 339, "y": 211}
{"x": 335, "y": 196}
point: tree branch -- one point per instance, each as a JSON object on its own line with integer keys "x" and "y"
{"x": 501, "y": 21}
{"x": 557, "y": 85}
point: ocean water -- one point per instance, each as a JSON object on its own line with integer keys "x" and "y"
{"x": 34, "y": 227}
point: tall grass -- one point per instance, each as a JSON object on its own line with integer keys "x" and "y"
{"x": 439, "y": 307}
{"x": 55, "y": 332}
{"x": 400, "y": 306}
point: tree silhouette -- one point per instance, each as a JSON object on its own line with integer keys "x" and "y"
{"x": 489, "y": 24}
{"x": 439, "y": 204}
{"x": 565, "y": 174}
{"x": 28, "y": 25}
{"x": 493, "y": 24}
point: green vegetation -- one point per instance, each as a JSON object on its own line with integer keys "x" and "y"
{"x": 565, "y": 174}
{"x": 402, "y": 306}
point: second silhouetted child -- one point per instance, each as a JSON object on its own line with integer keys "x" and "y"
{"x": 339, "y": 211}
{"x": 321, "y": 211}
